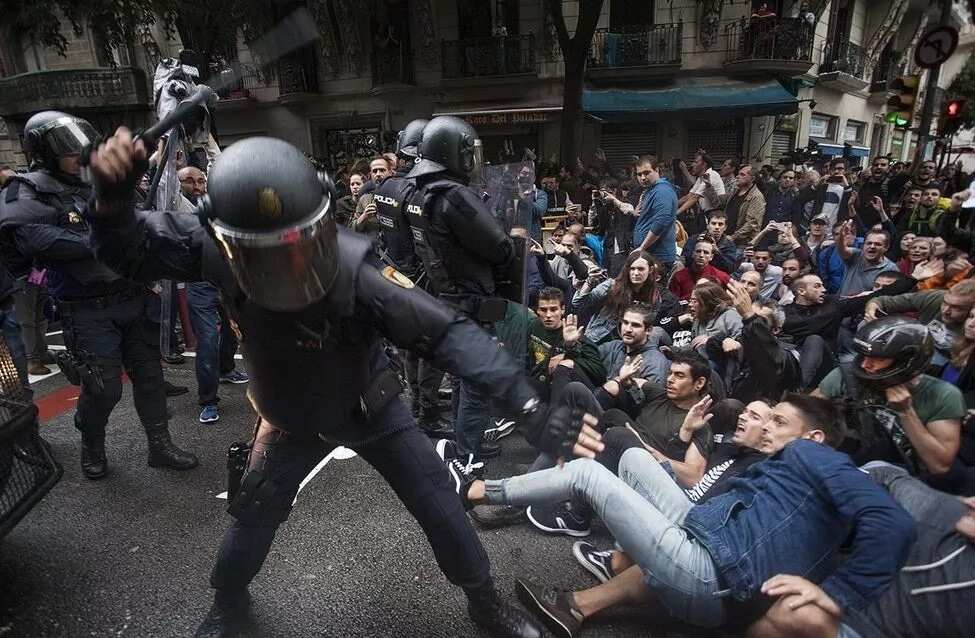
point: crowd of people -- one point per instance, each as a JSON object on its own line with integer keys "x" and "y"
{"x": 772, "y": 372}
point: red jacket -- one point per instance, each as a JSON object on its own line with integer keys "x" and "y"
{"x": 682, "y": 283}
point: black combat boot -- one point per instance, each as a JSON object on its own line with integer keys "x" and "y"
{"x": 162, "y": 452}
{"x": 229, "y": 615}
{"x": 502, "y": 620}
{"x": 94, "y": 464}
{"x": 433, "y": 425}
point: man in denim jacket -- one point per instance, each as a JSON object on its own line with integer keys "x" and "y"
{"x": 707, "y": 563}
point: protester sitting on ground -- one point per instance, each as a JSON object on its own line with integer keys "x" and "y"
{"x": 943, "y": 311}
{"x": 957, "y": 269}
{"x": 918, "y": 253}
{"x": 713, "y": 316}
{"x": 700, "y": 267}
{"x": 605, "y": 302}
{"x": 930, "y": 597}
{"x": 710, "y": 564}
{"x": 753, "y": 283}
{"x": 758, "y": 365}
{"x": 904, "y": 416}
{"x": 727, "y": 256}
{"x": 566, "y": 263}
{"x": 759, "y": 259}
{"x": 639, "y": 342}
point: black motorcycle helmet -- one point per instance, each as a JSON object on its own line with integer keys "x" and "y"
{"x": 271, "y": 214}
{"x": 49, "y": 135}
{"x": 448, "y": 145}
{"x": 409, "y": 138}
{"x": 907, "y": 342}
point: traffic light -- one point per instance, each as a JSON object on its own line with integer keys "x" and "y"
{"x": 901, "y": 105}
{"x": 951, "y": 118}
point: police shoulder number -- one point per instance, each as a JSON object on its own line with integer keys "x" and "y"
{"x": 397, "y": 277}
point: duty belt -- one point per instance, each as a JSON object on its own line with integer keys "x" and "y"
{"x": 103, "y": 301}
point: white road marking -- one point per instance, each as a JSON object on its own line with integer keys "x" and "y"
{"x": 340, "y": 453}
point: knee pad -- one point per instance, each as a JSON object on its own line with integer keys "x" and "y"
{"x": 260, "y": 502}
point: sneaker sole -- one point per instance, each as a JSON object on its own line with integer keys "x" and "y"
{"x": 550, "y": 530}
{"x": 586, "y": 564}
{"x": 213, "y": 420}
{"x": 234, "y": 382}
{"x": 536, "y": 606}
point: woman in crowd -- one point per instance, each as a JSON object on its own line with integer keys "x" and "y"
{"x": 712, "y": 315}
{"x": 917, "y": 253}
{"x": 638, "y": 282}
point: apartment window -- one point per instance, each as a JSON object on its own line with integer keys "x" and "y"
{"x": 822, "y": 126}
{"x": 854, "y": 132}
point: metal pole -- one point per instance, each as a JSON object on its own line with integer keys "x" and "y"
{"x": 930, "y": 95}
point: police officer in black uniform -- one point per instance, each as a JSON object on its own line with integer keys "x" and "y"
{"x": 463, "y": 249}
{"x": 312, "y": 305}
{"x": 391, "y": 200}
{"x": 105, "y": 317}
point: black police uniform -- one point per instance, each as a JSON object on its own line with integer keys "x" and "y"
{"x": 464, "y": 252}
{"x": 105, "y": 318}
{"x": 319, "y": 377}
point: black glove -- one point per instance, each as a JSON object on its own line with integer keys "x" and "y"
{"x": 560, "y": 434}
{"x": 119, "y": 193}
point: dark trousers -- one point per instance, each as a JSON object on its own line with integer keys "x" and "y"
{"x": 228, "y": 343}
{"x": 816, "y": 360}
{"x": 424, "y": 379}
{"x": 11, "y": 335}
{"x": 29, "y": 307}
{"x": 405, "y": 459}
{"x": 114, "y": 333}
{"x": 204, "y": 303}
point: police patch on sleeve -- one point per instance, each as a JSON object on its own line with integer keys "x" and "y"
{"x": 397, "y": 277}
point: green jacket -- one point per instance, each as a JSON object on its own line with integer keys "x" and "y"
{"x": 927, "y": 304}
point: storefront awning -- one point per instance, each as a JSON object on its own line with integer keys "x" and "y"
{"x": 728, "y": 98}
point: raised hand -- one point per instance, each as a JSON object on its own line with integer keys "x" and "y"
{"x": 571, "y": 331}
{"x": 631, "y": 366}
{"x": 116, "y": 166}
{"x": 697, "y": 417}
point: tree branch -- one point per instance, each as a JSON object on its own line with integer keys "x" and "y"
{"x": 555, "y": 8}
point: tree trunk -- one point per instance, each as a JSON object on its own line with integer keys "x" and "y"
{"x": 575, "y": 68}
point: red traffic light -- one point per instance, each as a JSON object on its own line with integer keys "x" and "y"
{"x": 954, "y": 108}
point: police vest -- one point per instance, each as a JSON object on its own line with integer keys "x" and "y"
{"x": 391, "y": 200}
{"x": 453, "y": 270}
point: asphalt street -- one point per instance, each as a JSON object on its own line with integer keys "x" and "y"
{"x": 130, "y": 555}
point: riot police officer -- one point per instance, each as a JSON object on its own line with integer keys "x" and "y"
{"x": 391, "y": 199}
{"x": 105, "y": 317}
{"x": 463, "y": 249}
{"x": 311, "y": 304}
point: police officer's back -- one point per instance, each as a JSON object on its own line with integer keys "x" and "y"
{"x": 391, "y": 199}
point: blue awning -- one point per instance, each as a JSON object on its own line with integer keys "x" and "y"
{"x": 830, "y": 148}
{"x": 726, "y": 98}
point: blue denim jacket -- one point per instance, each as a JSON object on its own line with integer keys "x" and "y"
{"x": 790, "y": 514}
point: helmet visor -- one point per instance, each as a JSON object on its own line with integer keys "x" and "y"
{"x": 67, "y": 136}
{"x": 286, "y": 269}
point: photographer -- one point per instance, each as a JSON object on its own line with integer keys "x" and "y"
{"x": 614, "y": 221}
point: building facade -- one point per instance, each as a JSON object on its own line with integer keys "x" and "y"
{"x": 749, "y": 80}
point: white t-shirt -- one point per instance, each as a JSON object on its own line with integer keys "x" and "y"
{"x": 831, "y": 204}
{"x": 709, "y": 186}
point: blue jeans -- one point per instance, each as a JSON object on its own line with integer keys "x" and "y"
{"x": 643, "y": 508}
{"x": 204, "y": 303}
{"x": 11, "y": 334}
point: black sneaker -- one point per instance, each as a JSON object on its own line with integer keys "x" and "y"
{"x": 501, "y": 428}
{"x": 558, "y": 520}
{"x": 552, "y": 606}
{"x": 230, "y": 615}
{"x": 463, "y": 470}
{"x": 173, "y": 390}
{"x": 491, "y": 516}
{"x": 596, "y": 562}
{"x": 505, "y": 620}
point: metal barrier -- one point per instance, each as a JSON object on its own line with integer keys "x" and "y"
{"x": 27, "y": 468}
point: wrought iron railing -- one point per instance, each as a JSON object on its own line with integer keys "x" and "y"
{"x": 785, "y": 39}
{"x": 887, "y": 68}
{"x": 298, "y": 73}
{"x": 645, "y": 46}
{"x": 392, "y": 66}
{"x": 500, "y": 55}
{"x": 241, "y": 80}
{"x": 846, "y": 58}
{"x": 72, "y": 89}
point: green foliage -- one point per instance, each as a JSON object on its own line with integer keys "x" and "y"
{"x": 964, "y": 86}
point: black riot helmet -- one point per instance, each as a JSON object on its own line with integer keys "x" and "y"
{"x": 49, "y": 135}
{"x": 408, "y": 140}
{"x": 907, "y": 342}
{"x": 271, "y": 214}
{"x": 449, "y": 145}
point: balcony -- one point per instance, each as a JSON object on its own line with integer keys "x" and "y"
{"x": 392, "y": 69}
{"x": 242, "y": 80}
{"x": 844, "y": 67}
{"x": 498, "y": 57}
{"x": 73, "y": 90}
{"x": 297, "y": 77}
{"x": 653, "y": 52}
{"x": 769, "y": 46}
